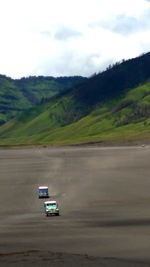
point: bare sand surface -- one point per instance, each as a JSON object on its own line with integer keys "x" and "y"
{"x": 104, "y": 199}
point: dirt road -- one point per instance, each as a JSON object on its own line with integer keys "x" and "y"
{"x": 104, "y": 199}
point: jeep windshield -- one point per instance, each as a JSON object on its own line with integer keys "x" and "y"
{"x": 43, "y": 191}
{"x": 51, "y": 205}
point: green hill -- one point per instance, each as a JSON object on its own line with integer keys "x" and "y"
{"x": 19, "y": 95}
{"x": 126, "y": 118}
{"x": 113, "y": 106}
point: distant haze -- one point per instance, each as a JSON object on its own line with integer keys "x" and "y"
{"x": 70, "y": 37}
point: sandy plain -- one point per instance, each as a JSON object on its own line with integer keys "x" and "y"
{"x": 104, "y": 199}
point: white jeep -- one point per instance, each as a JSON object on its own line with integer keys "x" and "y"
{"x": 51, "y": 208}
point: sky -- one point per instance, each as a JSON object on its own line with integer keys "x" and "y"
{"x": 70, "y": 37}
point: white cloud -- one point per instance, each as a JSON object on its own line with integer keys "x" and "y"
{"x": 68, "y": 37}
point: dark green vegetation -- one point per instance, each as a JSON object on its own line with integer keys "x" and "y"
{"x": 19, "y": 95}
{"x": 111, "y": 106}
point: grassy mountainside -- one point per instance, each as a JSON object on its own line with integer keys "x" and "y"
{"x": 12, "y": 100}
{"x": 102, "y": 109}
{"x": 19, "y": 95}
{"x": 126, "y": 118}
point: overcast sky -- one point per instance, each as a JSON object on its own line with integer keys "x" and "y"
{"x": 70, "y": 37}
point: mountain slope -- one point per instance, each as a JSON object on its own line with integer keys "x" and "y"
{"x": 19, "y": 95}
{"x": 117, "y": 79}
{"x": 100, "y": 109}
{"x": 125, "y": 118}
